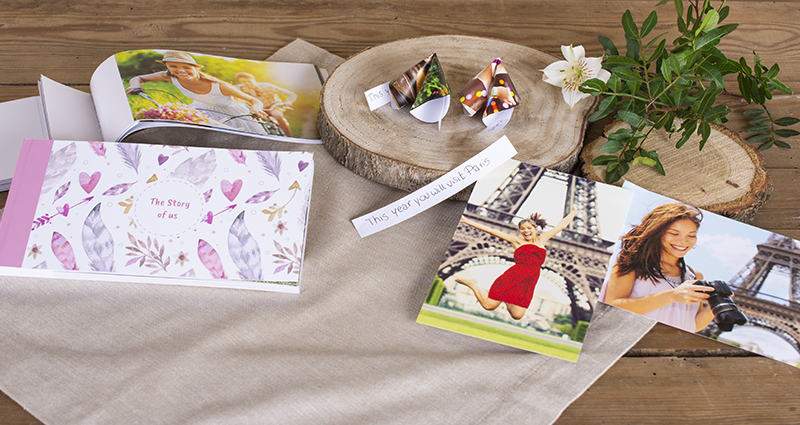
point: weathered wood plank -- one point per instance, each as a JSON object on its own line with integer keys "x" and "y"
{"x": 69, "y": 39}
{"x": 674, "y": 390}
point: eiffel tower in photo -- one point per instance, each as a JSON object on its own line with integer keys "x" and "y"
{"x": 780, "y": 255}
{"x": 578, "y": 253}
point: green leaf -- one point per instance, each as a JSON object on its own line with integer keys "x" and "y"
{"x": 649, "y": 24}
{"x": 708, "y": 99}
{"x": 607, "y": 106}
{"x": 627, "y": 75}
{"x": 659, "y": 53}
{"x": 614, "y": 83}
{"x": 688, "y": 129}
{"x": 766, "y": 146}
{"x": 666, "y": 70}
{"x": 674, "y": 64}
{"x": 710, "y": 38}
{"x": 632, "y": 48}
{"x": 758, "y": 95}
{"x": 679, "y": 96}
{"x": 709, "y": 22}
{"x": 773, "y": 72}
{"x": 661, "y": 122}
{"x": 759, "y": 128}
{"x": 780, "y": 86}
{"x": 753, "y": 112}
{"x": 659, "y": 167}
{"x": 679, "y": 7}
{"x": 611, "y": 146}
{"x": 728, "y": 28}
{"x": 654, "y": 39}
{"x": 646, "y": 161}
{"x": 629, "y": 26}
{"x": 621, "y": 134}
{"x": 688, "y": 58}
{"x": 782, "y": 144}
{"x": 681, "y": 26}
{"x": 759, "y": 120}
{"x": 594, "y": 87}
{"x": 712, "y": 73}
{"x": 608, "y": 45}
{"x": 787, "y": 121}
{"x": 633, "y": 119}
{"x": 615, "y": 61}
{"x": 759, "y": 138}
{"x": 716, "y": 113}
{"x": 723, "y": 13}
{"x": 744, "y": 88}
{"x": 704, "y": 131}
{"x": 670, "y": 121}
{"x": 744, "y": 67}
{"x": 623, "y": 168}
{"x": 603, "y": 159}
{"x": 787, "y": 132}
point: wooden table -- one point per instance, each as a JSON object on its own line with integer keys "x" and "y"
{"x": 669, "y": 375}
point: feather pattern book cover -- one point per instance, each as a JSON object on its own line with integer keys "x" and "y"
{"x": 190, "y": 216}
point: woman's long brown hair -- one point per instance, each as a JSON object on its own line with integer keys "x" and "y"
{"x": 535, "y": 219}
{"x": 640, "y": 250}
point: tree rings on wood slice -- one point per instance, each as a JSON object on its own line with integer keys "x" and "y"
{"x": 727, "y": 177}
{"x": 394, "y": 148}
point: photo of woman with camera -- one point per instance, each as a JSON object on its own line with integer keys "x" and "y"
{"x": 650, "y": 276}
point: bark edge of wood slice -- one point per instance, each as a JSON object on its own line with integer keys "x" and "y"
{"x": 727, "y": 177}
{"x": 393, "y": 148}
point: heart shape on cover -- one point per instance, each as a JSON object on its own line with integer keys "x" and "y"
{"x": 63, "y": 210}
{"x": 162, "y": 159}
{"x": 231, "y": 190}
{"x": 302, "y": 165}
{"x": 88, "y": 183}
{"x": 208, "y": 218}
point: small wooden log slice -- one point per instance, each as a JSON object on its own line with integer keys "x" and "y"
{"x": 727, "y": 177}
{"x": 394, "y": 148}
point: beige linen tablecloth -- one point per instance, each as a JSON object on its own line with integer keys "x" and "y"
{"x": 346, "y": 350}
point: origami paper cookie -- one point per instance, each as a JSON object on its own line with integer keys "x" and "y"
{"x": 493, "y": 92}
{"x": 425, "y": 87}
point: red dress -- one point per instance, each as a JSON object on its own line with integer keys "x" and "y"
{"x": 516, "y": 285}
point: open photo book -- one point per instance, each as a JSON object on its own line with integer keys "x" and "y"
{"x": 138, "y": 89}
{"x": 158, "y": 214}
{"x": 536, "y": 250}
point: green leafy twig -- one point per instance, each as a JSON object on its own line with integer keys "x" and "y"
{"x": 652, "y": 87}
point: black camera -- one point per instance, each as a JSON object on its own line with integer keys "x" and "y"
{"x": 726, "y": 314}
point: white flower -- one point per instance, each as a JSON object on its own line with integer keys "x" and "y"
{"x": 569, "y": 74}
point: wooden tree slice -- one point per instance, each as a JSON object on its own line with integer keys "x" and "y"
{"x": 727, "y": 177}
{"x": 394, "y": 148}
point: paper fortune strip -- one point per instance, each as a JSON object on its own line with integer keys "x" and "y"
{"x": 423, "y": 86}
{"x": 493, "y": 92}
{"x": 437, "y": 191}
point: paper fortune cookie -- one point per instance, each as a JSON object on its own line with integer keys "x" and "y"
{"x": 493, "y": 92}
{"x": 425, "y": 87}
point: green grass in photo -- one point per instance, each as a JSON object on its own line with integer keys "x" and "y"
{"x": 502, "y": 336}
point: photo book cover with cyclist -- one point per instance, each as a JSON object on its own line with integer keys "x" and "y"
{"x": 527, "y": 259}
{"x": 158, "y": 214}
{"x": 140, "y": 89}
{"x": 707, "y": 274}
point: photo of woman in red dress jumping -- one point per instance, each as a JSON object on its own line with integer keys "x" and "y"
{"x": 515, "y": 286}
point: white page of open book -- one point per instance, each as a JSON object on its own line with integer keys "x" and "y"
{"x": 69, "y": 112}
{"x": 113, "y": 111}
{"x": 22, "y": 119}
